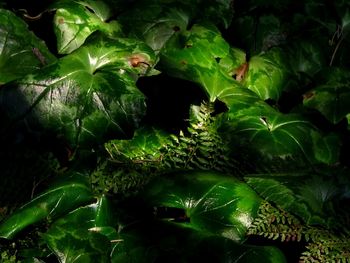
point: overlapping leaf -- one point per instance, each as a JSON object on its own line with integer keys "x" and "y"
{"x": 309, "y": 199}
{"x": 195, "y": 55}
{"x": 84, "y": 234}
{"x": 266, "y": 74}
{"x": 75, "y": 20}
{"x": 211, "y": 202}
{"x": 56, "y": 201}
{"x": 21, "y": 52}
{"x": 153, "y": 241}
{"x": 84, "y": 97}
{"x": 332, "y": 97}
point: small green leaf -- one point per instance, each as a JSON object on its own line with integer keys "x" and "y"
{"x": 266, "y": 74}
{"x": 21, "y": 52}
{"x": 212, "y": 202}
{"x": 56, "y": 201}
{"x": 75, "y": 20}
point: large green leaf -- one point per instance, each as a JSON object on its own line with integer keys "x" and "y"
{"x": 21, "y": 52}
{"x": 75, "y": 20}
{"x": 86, "y": 96}
{"x": 266, "y": 75}
{"x": 332, "y": 97}
{"x": 57, "y": 200}
{"x": 84, "y": 234}
{"x": 271, "y": 133}
{"x": 212, "y": 202}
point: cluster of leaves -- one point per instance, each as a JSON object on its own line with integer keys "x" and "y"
{"x": 263, "y": 155}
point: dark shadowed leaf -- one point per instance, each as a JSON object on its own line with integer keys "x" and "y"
{"x": 21, "y": 52}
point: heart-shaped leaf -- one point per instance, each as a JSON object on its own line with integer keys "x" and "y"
{"x": 21, "y": 52}
{"x": 84, "y": 97}
{"x": 271, "y": 133}
{"x": 211, "y": 202}
{"x": 57, "y": 200}
{"x": 75, "y": 20}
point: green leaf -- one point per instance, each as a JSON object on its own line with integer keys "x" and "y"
{"x": 308, "y": 196}
{"x": 195, "y": 55}
{"x": 86, "y": 96}
{"x": 145, "y": 145}
{"x": 332, "y": 97}
{"x": 212, "y": 202}
{"x": 266, "y": 74}
{"x": 84, "y": 234}
{"x": 57, "y": 200}
{"x": 155, "y": 23}
{"x": 154, "y": 241}
{"x": 326, "y": 148}
{"x": 271, "y": 133}
{"x": 75, "y": 20}
{"x": 21, "y": 52}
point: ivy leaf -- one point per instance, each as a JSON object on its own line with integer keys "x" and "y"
{"x": 85, "y": 96}
{"x": 57, "y": 200}
{"x": 75, "y": 20}
{"x": 83, "y": 233}
{"x": 332, "y": 97}
{"x": 266, "y": 74}
{"x": 212, "y": 202}
{"x": 21, "y": 52}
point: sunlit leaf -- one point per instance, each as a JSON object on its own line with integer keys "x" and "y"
{"x": 84, "y": 97}
{"x": 75, "y": 20}
{"x": 266, "y": 75}
{"x": 57, "y": 200}
{"x": 212, "y": 202}
{"x": 21, "y": 52}
{"x": 84, "y": 234}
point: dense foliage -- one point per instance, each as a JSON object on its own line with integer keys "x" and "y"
{"x": 174, "y": 131}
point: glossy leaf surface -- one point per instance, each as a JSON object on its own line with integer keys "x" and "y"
{"x": 21, "y": 52}
{"x": 75, "y": 20}
{"x": 212, "y": 202}
{"x": 84, "y": 97}
{"x": 56, "y": 201}
{"x": 266, "y": 74}
{"x": 272, "y": 133}
{"x": 84, "y": 234}
{"x": 195, "y": 55}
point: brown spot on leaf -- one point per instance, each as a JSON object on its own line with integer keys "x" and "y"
{"x": 176, "y": 28}
{"x": 241, "y": 71}
{"x": 61, "y": 20}
{"x": 308, "y": 95}
{"x": 137, "y": 59}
